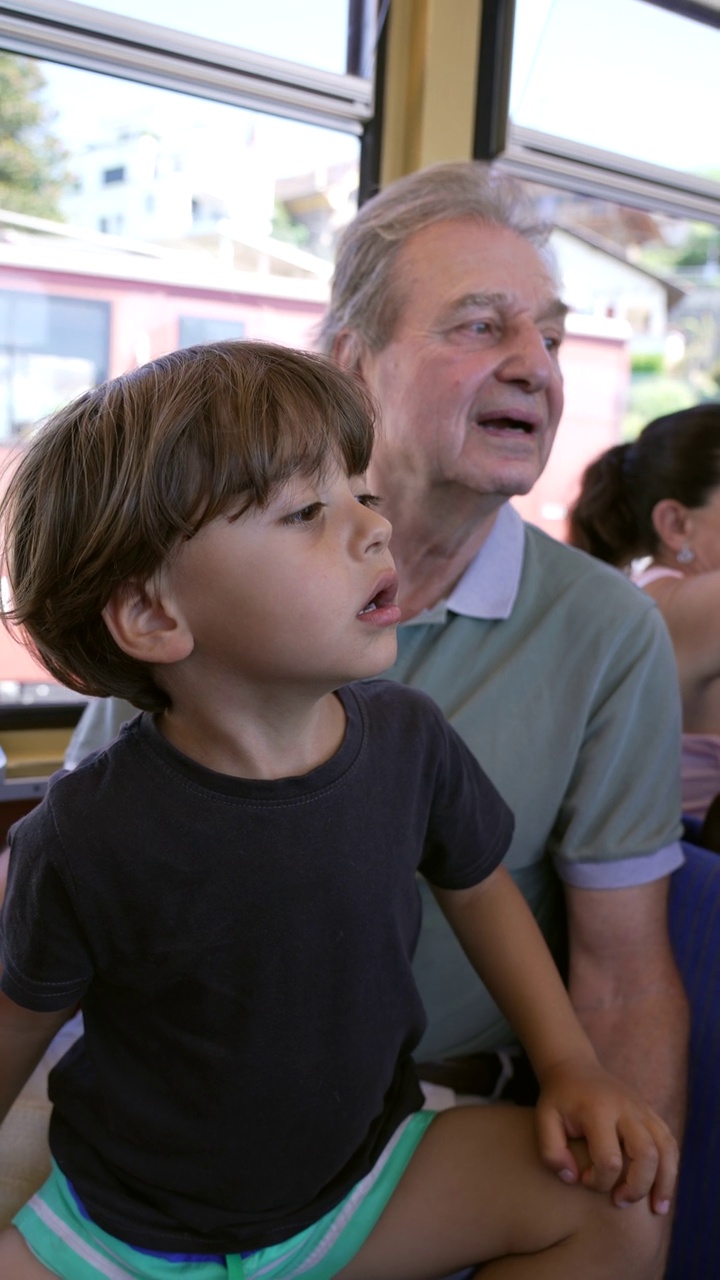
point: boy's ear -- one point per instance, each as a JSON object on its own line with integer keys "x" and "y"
{"x": 145, "y": 624}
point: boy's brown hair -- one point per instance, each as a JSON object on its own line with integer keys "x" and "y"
{"x": 112, "y": 483}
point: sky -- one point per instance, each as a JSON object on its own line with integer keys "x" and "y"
{"x": 622, "y": 75}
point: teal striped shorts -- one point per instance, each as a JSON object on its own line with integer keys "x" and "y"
{"x": 61, "y": 1235}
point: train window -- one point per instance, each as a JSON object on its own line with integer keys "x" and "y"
{"x": 611, "y": 125}
{"x": 618, "y": 100}
{"x": 208, "y": 329}
{"x": 51, "y": 349}
{"x": 156, "y": 197}
{"x": 314, "y": 33}
{"x": 180, "y": 182}
{"x": 652, "y": 95}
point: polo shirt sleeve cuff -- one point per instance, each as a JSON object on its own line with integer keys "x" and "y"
{"x": 621, "y": 873}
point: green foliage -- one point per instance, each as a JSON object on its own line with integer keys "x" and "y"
{"x": 33, "y": 163}
{"x": 650, "y": 397}
{"x": 285, "y": 228}
{"x": 647, "y": 362}
{"x": 701, "y": 246}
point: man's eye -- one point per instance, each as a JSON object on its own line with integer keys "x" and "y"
{"x": 552, "y": 343}
{"x": 476, "y": 327}
{"x": 305, "y": 515}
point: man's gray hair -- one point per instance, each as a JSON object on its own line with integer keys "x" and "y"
{"x": 365, "y": 297}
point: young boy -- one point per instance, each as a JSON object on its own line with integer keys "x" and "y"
{"x": 230, "y": 888}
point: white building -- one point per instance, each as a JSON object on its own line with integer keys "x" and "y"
{"x": 167, "y": 189}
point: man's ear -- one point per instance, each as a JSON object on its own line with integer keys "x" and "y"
{"x": 672, "y": 522}
{"x": 348, "y": 350}
{"x": 144, "y": 622}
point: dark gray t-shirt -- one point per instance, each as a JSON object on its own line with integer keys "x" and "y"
{"x": 243, "y": 952}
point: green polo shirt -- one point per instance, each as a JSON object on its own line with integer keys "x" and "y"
{"x": 559, "y": 675}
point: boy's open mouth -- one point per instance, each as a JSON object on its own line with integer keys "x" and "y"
{"x": 384, "y": 595}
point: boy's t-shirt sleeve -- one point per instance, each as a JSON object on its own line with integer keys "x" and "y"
{"x": 46, "y": 964}
{"x": 470, "y": 825}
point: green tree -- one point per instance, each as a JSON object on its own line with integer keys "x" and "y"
{"x": 284, "y": 227}
{"x": 33, "y": 162}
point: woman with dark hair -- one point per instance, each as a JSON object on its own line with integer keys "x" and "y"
{"x": 658, "y": 499}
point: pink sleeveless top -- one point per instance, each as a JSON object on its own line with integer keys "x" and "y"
{"x": 700, "y": 762}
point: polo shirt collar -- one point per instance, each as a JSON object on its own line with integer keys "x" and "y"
{"x": 488, "y": 588}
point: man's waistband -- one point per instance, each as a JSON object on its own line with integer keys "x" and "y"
{"x": 503, "y": 1075}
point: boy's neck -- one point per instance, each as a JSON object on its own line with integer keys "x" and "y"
{"x": 266, "y": 742}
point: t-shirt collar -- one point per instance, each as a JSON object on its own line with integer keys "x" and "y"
{"x": 488, "y": 588}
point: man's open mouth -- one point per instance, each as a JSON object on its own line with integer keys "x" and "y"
{"x": 518, "y": 425}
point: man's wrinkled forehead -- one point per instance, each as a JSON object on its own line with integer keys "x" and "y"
{"x": 458, "y": 263}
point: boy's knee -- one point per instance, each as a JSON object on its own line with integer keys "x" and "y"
{"x": 633, "y": 1240}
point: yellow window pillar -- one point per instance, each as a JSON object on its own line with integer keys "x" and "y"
{"x": 430, "y": 83}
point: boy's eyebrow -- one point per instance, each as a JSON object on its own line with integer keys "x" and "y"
{"x": 555, "y": 310}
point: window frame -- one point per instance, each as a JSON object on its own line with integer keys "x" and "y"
{"x": 110, "y": 44}
{"x": 556, "y": 161}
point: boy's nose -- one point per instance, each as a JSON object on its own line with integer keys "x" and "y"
{"x": 376, "y": 530}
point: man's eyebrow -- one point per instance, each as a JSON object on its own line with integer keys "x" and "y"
{"x": 555, "y": 310}
{"x": 476, "y": 300}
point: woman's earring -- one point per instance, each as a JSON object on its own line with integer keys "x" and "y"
{"x": 685, "y": 555}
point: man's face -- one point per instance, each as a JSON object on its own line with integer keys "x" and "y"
{"x": 469, "y": 385}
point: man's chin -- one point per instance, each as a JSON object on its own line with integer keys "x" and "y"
{"x": 510, "y": 482}
{"x": 506, "y": 476}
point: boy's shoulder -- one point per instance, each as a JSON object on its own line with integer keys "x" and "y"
{"x": 85, "y": 772}
{"x": 89, "y": 784}
{"x": 401, "y": 717}
{"x": 382, "y": 695}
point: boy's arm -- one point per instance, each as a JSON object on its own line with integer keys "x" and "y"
{"x": 579, "y": 1099}
{"x": 24, "y": 1037}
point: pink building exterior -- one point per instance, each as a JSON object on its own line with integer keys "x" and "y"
{"x": 145, "y": 317}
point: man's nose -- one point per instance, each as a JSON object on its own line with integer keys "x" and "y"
{"x": 526, "y": 358}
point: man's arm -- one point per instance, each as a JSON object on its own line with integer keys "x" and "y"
{"x": 627, "y": 992}
{"x": 578, "y": 1097}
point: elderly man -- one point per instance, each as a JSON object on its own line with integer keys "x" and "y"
{"x": 555, "y": 670}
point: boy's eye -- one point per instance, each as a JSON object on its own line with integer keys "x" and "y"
{"x": 305, "y": 515}
{"x": 370, "y": 500}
